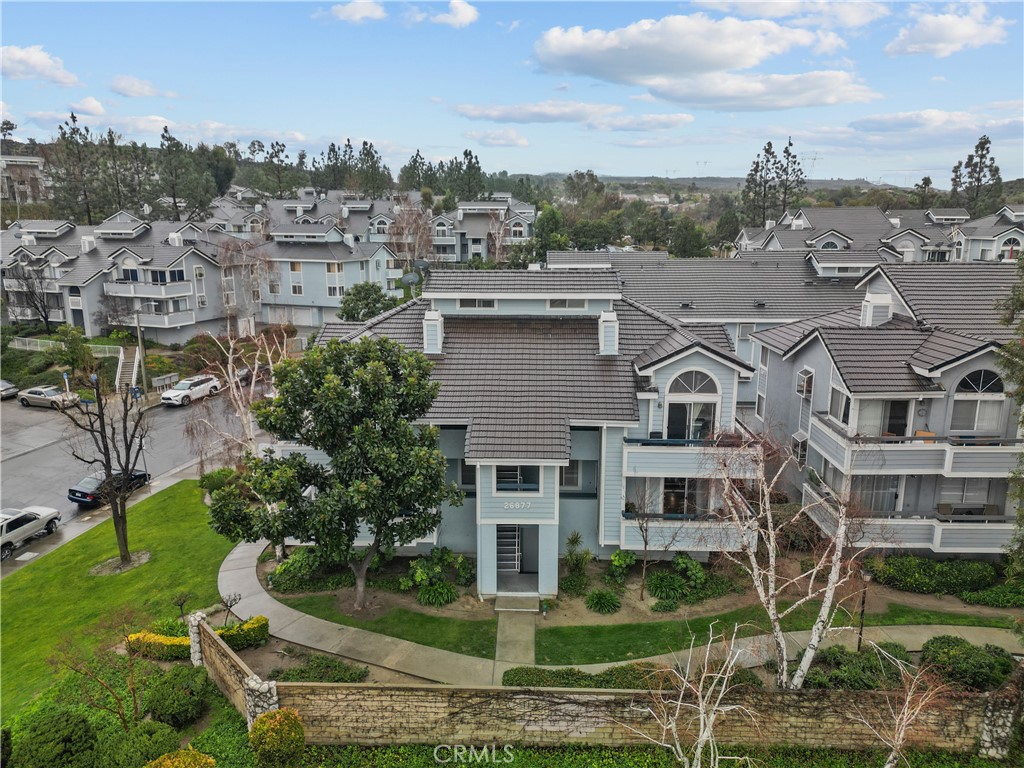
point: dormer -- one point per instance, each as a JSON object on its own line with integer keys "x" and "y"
{"x": 833, "y": 240}
{"x": 1014, "y": 213}
{"x": 947, "y": 215}
{"x": 121, "y": 226}
{"x": 46, "y": 229}
{"x": 307, "y": 233}
{"x": 608, "y": 334}
{"x": 516, "y": 293}
{"x": 433, "y": 332}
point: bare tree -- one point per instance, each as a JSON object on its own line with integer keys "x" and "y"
{"x": 497, "y": 237}
{"x": 695, "y": 696}
{"x": 229, "y": 357}
{"x": 657, "y": 535}
{"x": 758, "y": 528}
{"x": 411, "y": 235}
{"x": 110, "y": 431}
{"x": 245, "y": 269}
{"x": 32, "y": 290}
{"x": 920, "y": 690}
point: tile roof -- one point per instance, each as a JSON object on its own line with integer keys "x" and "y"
{"x": 863, "y": 256}
{"x": 942, "y": 347}
{"x": 571, "y": 258}
{"x": 782, "y": 338}
{"x": 955, "y": 297}
{"x": 515, "y": 436}
{"x": 876, "y": 359}
{"x": 727, "y": 289}
{"x": 542, "y": 282}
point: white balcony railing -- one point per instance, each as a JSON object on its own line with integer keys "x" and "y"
{"x": 148, "y": 290}
{"x": 167, "y": 320}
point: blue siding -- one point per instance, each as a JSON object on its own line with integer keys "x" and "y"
{"x": 547, "y": 560}
{"x": 487, "y": 559}
{"x": 613, "y": 498}
{"x": 532, "y": 507}
{"x": 585, "y": 444}
{"x": 723, "y": 374}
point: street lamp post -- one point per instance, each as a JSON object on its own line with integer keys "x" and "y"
{"x": 865, "y": 576}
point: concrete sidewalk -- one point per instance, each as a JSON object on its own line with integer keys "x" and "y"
{"x": 515, "y": 638}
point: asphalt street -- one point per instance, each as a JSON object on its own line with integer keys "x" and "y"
{"x": 37, "y": 468}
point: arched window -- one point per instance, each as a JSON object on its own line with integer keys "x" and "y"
{"x": 517, "y": 230}
{"x": 830, "y": 245}
{"x": 440, "y": 229}
{"x": 130, "y": 270}
{"x": 978, "y": 403}
{"x": 382, "y": 227}
{"x": 906, "y": 249}
{"x": 692, "y": 403}
{"x": 1010, "y": 249}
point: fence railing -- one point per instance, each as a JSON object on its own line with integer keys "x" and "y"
{"x": 39, "y": 345}
{"x": 160, "y": 383}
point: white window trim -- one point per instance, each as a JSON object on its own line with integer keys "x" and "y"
{"x": 517, "y": 494}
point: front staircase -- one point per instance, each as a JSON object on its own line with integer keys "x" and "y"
{"x": 127, "y": 370}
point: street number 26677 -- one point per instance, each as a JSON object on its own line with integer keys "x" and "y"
{"x": 517, "y": 505}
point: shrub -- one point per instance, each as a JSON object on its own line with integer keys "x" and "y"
{"x": 576, "y": 559}
{"x": 999, "y": 596}
{"x": 691, "y": 572}
{"x": 147, "y": 741}
{"x": 666, "y": 586}
{"x": 603, "y": 601}
{"x": 250, "y": 633}
{"x": 715, "y": 585}
{"x": 183, "y": 758}
{"x": 437, "y": 595}
{"x": 961, "y": 663}
{"x": 226, "y": 740}
{"x": 432, "y": 569}
{"x": 744, "y": 677}
{"x": 55, "y": 736}
{"x": 465, "y": 571}
{"x": 302, "y": 573}
{"x": 919, "y": 574}
{"x": 322, "y": 669}
{"x": 160, "y": 647}
{"x": 665, "y": 606}
{"x": 625, "y": 676}
{"x": 170, "y": 627}
{"x": 277, "y": 738}
{"x": 574, "y": 585}
{"x": 839, "y": 668}
{"x": 618, "y": 568}
{"x": 178, "y": 696}
{"x": 217, "y": 479}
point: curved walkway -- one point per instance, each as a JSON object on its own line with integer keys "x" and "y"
{"x": 238, "y": 575}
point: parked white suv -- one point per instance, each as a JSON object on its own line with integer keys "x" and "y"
{"x": 19, "y": 525}
{"x": 193, "y": 388}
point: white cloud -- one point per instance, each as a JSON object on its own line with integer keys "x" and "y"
{"x": 549, "y": 111}
{"x": 513, "y": 26}
{"x": 693, "y": 60}
{"x": 944, "y": 34}
{"x": 562, "y": 87}
{"x": 932, "y": 121}
{"x": 413, "y": 15}
{"x": 641, "y": 122}
{"x": 642, "y": 97}
{"x": 753, "y": 92}
{"x": 503, "y": 137}
{"x": 676, "y": 46}
{"x": 88, "y": 106}
{"x": 460, "y": 14}
{"x": 5, "y": 112}
{"x": 939, "y": 79}
{"x": 358, "y": 11}
{"x": 657, "y": 142}
{"x": 818, "y": 13}
{"x": 33, "y": 63}
{"x": 134, "y": 87}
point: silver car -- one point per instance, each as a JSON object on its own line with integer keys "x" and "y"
{"x": 7, "y": 390}
{"x": 187, "y": 390}
{"x": 19, "y": 525}
{"x": 47, "y": 397}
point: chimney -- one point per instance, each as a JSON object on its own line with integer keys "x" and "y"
{"x": 608, "y": 334}
{"x": 769, "y": 223}
{"x": 175, "y": 239}
{"x": 433, "y": 332}
{"x": 344, "y": 211}
{"x": 350, "y": 240}
{"x": 875, "y": 310}
{"x": 534, "y": 266}
{"x": 257, "y": 208}
{"x": 298, "y": 211}
{"x": 88, "y": 243}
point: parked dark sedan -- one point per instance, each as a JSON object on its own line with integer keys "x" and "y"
{"x": 93, "y": 490}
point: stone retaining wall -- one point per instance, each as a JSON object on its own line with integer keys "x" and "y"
{"x": 227, "y": 671}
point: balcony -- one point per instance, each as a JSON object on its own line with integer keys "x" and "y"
{"x": 148, "y": 290}
{"x": 47, "y": 286}
{"x": 927, "y": 530}
{"x": 443, "y": 240}
{"x": 167, "y": 320}
{"x": 693, "y": 533}
{"x": 951, "y": 456}
{"x": 658, "y": 457}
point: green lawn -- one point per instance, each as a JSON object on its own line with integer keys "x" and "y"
{"x": 625, "y": 642}
{"x": 473, "y": 638}
{"x": 55, "y": 597}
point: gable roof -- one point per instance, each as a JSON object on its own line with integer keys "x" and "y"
{"x": 462, "y": 283}
{"x": 876, "y": 359}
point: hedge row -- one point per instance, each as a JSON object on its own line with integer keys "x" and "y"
{"x": 972, "y": 581}
{"x": 247, "y": 634}
{"x": 639, "y": 676}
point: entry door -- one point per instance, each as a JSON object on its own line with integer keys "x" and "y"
{"x": 529, "y": 537}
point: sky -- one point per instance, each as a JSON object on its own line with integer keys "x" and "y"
{"x": 888, "y": 92}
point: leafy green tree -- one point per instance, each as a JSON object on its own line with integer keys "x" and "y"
{"x": 73, "y": 351}
{"x": 334, "y": 168}
{"x": 189, "y": 186}
{"x": 365, "y": 300}
{"x": 727, "y": 228}
{"x": 372, "y": 175}
{"x": 1011, "y": 359}
{"x": 358, "y": 403}
{"x": 411, "y": 174}
{"x": 789, "y": 178}
{"x": 976, "y": 183}
{"x": 220, "y": 165}
{"x": 549, "y": 231}
{"x": 760, "y": 194}
{"x": 73, "y": 167}
{"x": 689, "y": 241}
{"x": 652, "y": 228}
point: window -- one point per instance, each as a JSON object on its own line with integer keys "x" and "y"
{"x": 1010, "y": 249}
{"x": 517, "y": 479}
{"x": 764, "y": 357}
{"x": 476, "y": 303}
{"x": 685, "y": 496}
{"x": 179, "y": 305}
{"x": 441, "y": 230}
{"x": 833, "y": 478}
{"x": 517, "y": 230}
{"x": 839, "y": 406}
{"x": 467, "y": 474}
{"x": 295, "y": 266}
{"x": 759, "y": 407}
{"x": 978, "y": 403}
{"x": 333, "y": 290}
{"x": 569, "y": 476}
{"x": 830, "y": 245}
{"x": 567, "y": 303}
{"x": 332, "y": 268}
{"x": 964, "y": 490}
{"x": 692, "y": 404}
{"x": 256, "y": 295}
{"x": 876, "y": 493}
{"x": 158, "y": 277}
{"x": 274, "y": 288}
{"x": 936, "y": 256}
{"x": 229, "y": 291}
{"x": 296, "y": 290}
{"x": 130, "y": 275}
{"x": 381, "y": 228}
{"x": 800, "y": 451}
{"x": 743, "y": 331}
{"x": 177, "y": 275}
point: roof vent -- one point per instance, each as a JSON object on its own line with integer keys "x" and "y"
{"x": 760, "y": 303}
{"x": 88, "y": 243}
{"x": 834, "y": 281}
{"x": 350, "y": 240}
{"x": 27, "y": 239}
{"x": 534, "y": 266}
{"x": 686, "y": 305}
{"x": 808, "y": 282}
{"x": 175, "y": 239}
